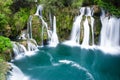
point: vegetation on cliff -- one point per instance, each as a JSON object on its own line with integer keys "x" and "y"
{"x": 5, "y": 48}
{"x": 5, "y": 55}
{"x": 14, "y": 16}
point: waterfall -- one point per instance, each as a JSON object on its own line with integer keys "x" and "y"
{"x": 32, "y": 45}
{"x": 54, "y": 38}
{"x": 29, "y": 27}
{"x": 75, "y": 35}
{"x": 51, "y": 21}
{"x": 18, "y": 48}
{"x": 83, "y": 25}
{"x": 44, "y": 24}
{"x": 88, "y": 28}
{"x": 26, "y": 43}
{"x": 110, "y": 33}
{"x": 29, "y": 44}
{"x": 86, "y": 33}
{"x": 16, "y": 74}
{"x": 39, "y": 10}
{"x": 52, "y": 35}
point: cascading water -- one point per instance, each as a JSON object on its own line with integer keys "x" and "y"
{"x": 39, "y": 10}
{"x": 52, "y": 35}
{"x": 54, "y": 38}
{"x": 86, "y": 33}
{"x": 20, "y": 75}
{"x": 29, "y": 28}
{"x": 78, "y": 33}
{"x": 64, "y": 62}
{"x": 44, "y": 24}
{"x": 29, "y": 44}
{"x": 75, "y": 35}
{"x": 110, "y": 33}
{"x": 51, "y": 20}
{"x": 32, "y": 45}
{"x": 18, "y": 48}
{"x": 49, "y": 32}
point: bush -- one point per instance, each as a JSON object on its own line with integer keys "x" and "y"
{"x": 5, "y": 48}
{"x": 111, "y": 6}
{"x": 3, "y": 22}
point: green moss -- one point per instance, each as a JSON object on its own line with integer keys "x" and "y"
{"x": 37, "y": 29}
{"x": 4, "y": 67}
{"x": 5, "y": 55}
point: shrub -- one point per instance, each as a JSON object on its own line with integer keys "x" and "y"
{"x": 5, "y": 48}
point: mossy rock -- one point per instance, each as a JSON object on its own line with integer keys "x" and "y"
{"x": 96, "y": 10}
{"x": 4, "y": 68}
{"x": 36, "y": 29}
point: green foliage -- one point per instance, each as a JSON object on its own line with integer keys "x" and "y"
{"x": 77, "y": 3}
{"x": 110, "y": 5}
{"x": 15, "y": 13}
{"x": 3, "y": 22}
{"x": 1, "y": 60}
{"x": 4, "y": 14}
{"x": 5, "y": 48}
{"x": 5, "y": 8}
{"x": 20, "y": 19}
{"x": 53, "y": 5}
{"x": 5, "y": 5}
{"x": 5, "y": 44}
{"x": 18, "y": 4}
{"x": 37, "y": 29}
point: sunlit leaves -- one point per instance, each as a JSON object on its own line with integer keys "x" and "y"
{"x": 5, "y": 44}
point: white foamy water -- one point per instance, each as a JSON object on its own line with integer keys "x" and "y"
{"x": 16, "y": 74}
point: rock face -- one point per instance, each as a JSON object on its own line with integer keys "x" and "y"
{"x": 97, "y": 22}
{"x": 96, "y": 10}
{"x": 37, "y": 29}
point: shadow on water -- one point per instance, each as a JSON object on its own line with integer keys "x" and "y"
{"x": 70, "y": 63}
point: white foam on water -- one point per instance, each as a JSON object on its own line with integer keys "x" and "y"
{"x": 16, "y": 74}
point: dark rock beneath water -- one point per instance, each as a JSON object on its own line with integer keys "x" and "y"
{"x": 45, "y": 42}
